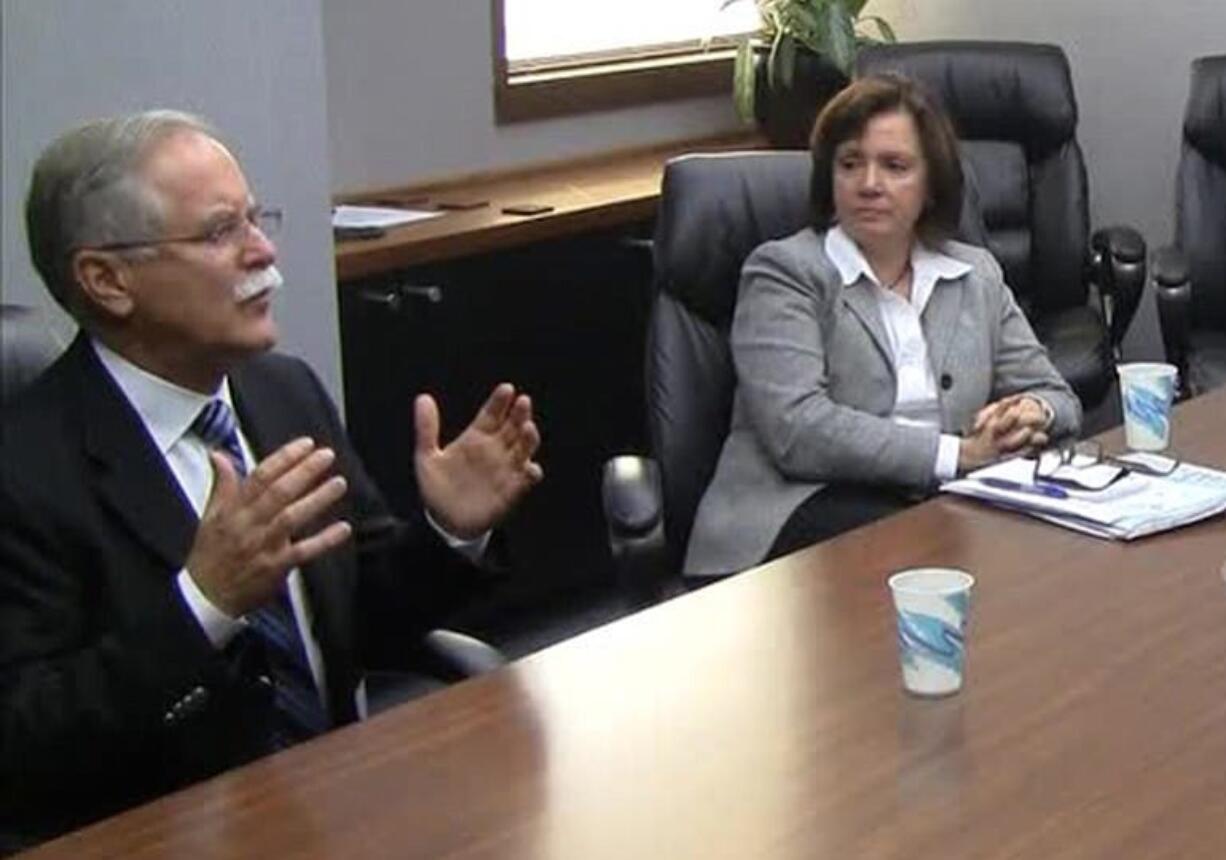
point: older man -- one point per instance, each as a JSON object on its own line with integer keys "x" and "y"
{"x": 192, "y": 559}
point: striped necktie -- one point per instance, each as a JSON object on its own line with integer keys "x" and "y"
{"x": 300, "y": 713}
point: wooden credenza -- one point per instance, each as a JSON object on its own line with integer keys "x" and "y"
{"x": 556, "y": 303}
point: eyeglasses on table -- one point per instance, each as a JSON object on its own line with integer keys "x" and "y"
{"x": 1086, "y": 465}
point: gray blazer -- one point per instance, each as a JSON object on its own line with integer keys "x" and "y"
{"x": 815, "y": 388}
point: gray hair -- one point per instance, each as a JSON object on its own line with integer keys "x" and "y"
{"x": 86, "y": 191}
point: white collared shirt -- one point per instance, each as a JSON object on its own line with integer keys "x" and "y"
{"x": 916, "y": 401}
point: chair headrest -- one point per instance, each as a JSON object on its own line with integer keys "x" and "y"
{"x": 714, "y": 210}
{"x": 27, "y": 348}
{"x": 1204, "y": 123}
{"x": 1013, "y": 91}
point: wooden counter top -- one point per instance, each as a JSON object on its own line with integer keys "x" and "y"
{"x": 592, "y": 193}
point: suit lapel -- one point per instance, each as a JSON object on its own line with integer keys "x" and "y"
{"x": 860, "y": 300}
{"x": 130, "y": 474}
{"x": 261, "y": 413}
{"x": 940, "y": 322}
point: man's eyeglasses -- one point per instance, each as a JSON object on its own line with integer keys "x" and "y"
{"x": 1084, "y": 465}
{"x": 225, "y": 232}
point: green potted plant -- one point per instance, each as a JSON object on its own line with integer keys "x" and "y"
{"x": 801, "y": 56}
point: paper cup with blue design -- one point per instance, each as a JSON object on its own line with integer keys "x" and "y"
{"x": 932, "y": 605}
{"x": 1147, "y": 390}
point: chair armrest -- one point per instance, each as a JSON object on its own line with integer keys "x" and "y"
{"x": 633, "y": 502}
{"x": 433, "y": 661}
{"x": 452, "y": 656}
{"x": 1117, "y": 268}
{"x": 631, "y": 495}
{"x": 1173, "y": 291}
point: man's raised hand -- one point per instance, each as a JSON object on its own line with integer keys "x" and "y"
{"x": 473, "y": 482}
{"x": 248, "y": 538}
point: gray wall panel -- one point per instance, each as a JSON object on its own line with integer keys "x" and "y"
{"x": 254, "y": 68}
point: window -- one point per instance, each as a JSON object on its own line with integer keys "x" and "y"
{"x": 565, "y": 56}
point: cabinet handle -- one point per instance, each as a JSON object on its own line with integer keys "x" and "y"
{"x": 636, "y": 243}
{"x": 389, "y": 299}
{"x": 393, "y": 298}
{"x": 431, "y": 294}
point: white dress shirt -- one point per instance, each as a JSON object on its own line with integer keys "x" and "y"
{"x": 167, "y": 412}
{"x": 916, "y": 400}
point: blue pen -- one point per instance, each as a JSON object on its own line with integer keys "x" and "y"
{"x": 1049, "y": 490}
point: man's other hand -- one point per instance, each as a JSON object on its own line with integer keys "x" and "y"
{"x": 472, "y": 483}
{"x": 248, "y": 539}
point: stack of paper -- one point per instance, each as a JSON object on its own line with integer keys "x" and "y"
{"x": 350, "y": 217}
{"x": 1134, "y": 506}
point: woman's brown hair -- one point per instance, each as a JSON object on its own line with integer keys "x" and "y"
{"x": 846, "y": 117}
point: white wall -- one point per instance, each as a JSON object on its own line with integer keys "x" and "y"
{"x": 410, "y": 91}
{"x": 255, "y": 67}
{"x": 410, "y": 94}
{"x": 409, "y": 88}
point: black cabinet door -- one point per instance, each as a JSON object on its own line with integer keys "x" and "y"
{"x": 564, "y": 321}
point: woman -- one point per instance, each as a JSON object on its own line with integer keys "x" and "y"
{"x": 875, "y": 357}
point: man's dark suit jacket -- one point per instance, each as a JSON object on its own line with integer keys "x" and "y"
{"x": 110, "y": 693}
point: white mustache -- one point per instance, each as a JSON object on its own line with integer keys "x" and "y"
{"x": 264, "y": 280}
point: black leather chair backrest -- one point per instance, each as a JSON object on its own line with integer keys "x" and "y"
{"x": 1200, "y": 192}
{"x": 27, "y": 347}
{"x": 714, "y": 210}
{"x": 1013, "y": 107}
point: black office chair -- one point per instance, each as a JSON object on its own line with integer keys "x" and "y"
{"x": 714, "y": 210}
{"x": 28, "y": 346}
{"x": 1013, "y": 107}
{"x": 1190, "y": 275}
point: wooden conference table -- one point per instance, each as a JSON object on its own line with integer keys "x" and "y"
{"x": 763, "y": 717}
